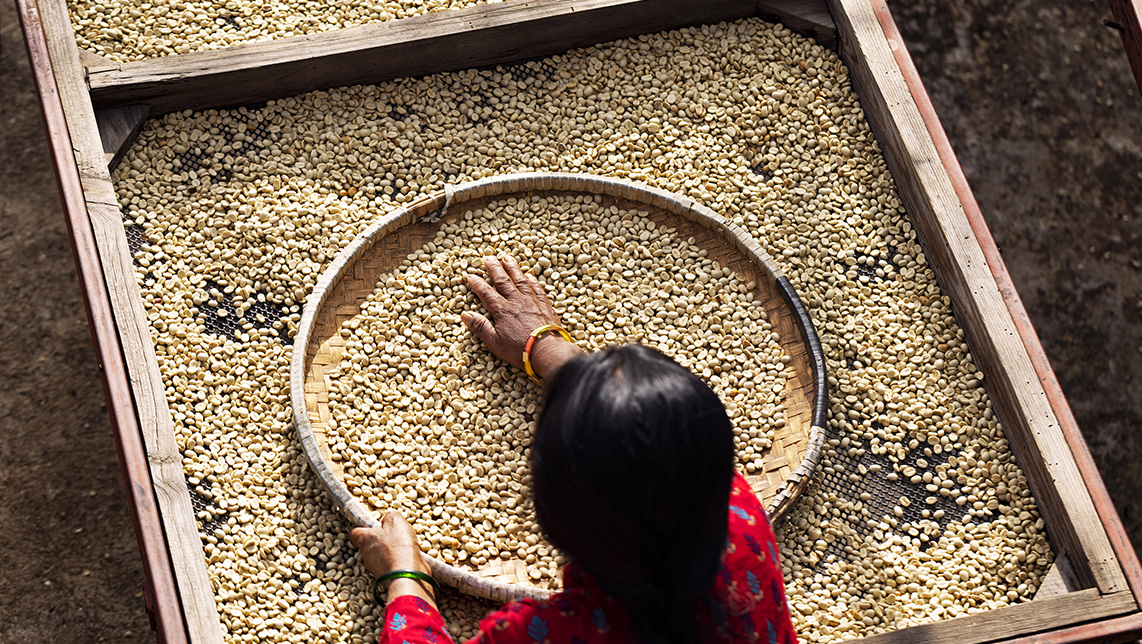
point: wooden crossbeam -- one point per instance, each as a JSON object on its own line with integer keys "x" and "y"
{"x": 433, "y": 42}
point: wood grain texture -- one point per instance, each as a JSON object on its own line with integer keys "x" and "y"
{"x": 1128, "y": 19}
{"x": 1059, "y": 580}
{"x": 429, "y": 43}
{"x": 56, "y": 89}
{"x": 1106, "y": 631}
{"x": 167, "y": 475}
{"x": 1124, "y": 550}
{"x": 807, "y": 17}
{"x": 92, "y": 61}
{"x": 1013, "y": 621}
{"x": 118, "y": 127}
{"x": 185, "y": 607}
{"x": 952, "y": 248}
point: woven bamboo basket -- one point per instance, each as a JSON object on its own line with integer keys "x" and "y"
{"x": 352, "y": 276}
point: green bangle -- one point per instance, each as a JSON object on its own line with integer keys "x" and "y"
{"x": 404, "y": 574}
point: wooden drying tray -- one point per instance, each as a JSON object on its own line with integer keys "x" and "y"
{"x": 1106, "y": 584}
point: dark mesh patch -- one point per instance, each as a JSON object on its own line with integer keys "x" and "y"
{"x": 863, "y": 267}
{"x": 294, "y": 584}
{"x": 134, "y": 238}
{"x": 201, "y": 503}
{"x": 884, "y": 497}
{"x": 229, "y": 20}
{"x": 196, "y": 159}
{"x": 220, "y": 316}
{"x": 760, "y": 171}
{"x": 536, "y": 70}
{"x": 398, "y": 113}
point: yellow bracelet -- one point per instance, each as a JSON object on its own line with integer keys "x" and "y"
{"x": 531, "y": 341}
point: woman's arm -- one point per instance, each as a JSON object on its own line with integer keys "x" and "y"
{"x": 393, "y": 546}
{"x": 411, "y": 615}
{"x": 518, "y": 307}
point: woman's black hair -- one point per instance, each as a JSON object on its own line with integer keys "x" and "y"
{"x": 632, "y": 464}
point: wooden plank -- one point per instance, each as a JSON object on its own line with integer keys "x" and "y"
{"x": 91, "y": 61}
{"x": 1115, "y": 629}
{"x": 953, "y": 250}
{"x": 118, "y": 127}
{"x": 1060, "y": 579}
{"x": 160, "y": 592}
{"x": 807, "y": 17}
{"x": 429, "y": 43}
{"x": 167, "y": 474}
{"x": 1014, "y": 621}
{"x": 1119, "y": 540}
{"x": 194, "y": 614}
{"x": 1128, "y": 20}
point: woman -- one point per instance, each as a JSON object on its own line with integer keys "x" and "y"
{"x": 632, "y": 468}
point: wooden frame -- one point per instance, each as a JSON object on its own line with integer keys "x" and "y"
{"x": 433, "y": 42}
{"x": 1128, "y": 21}
{"x": 93, "y": 107}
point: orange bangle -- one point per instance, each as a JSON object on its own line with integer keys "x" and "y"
{"x": 531, "y": 342}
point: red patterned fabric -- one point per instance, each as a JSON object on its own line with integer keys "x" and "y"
{"x": 749, "y": 590}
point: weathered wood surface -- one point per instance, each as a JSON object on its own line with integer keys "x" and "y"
{"x": 118, "y": 127}
{"x": 1127, "y": 558}
{"x": 1128, "y": 20}
{"x": 807, "y": 17}
{"x": 43, "y": 43}
{"x": 91, "y": 61}
{"x": 1060, "y": 579}
{"x": 955, "y": 254}
{"x": 1013, "y": 621}
{"x": 184, "y": 598}
{"x": 1127, "y": 628}
{"x": 434, "y": 42}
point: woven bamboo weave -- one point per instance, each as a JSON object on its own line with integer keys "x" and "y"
{"x": 352, "y": 277}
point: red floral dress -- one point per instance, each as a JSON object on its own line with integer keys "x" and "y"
{"x": 749, "y": 590}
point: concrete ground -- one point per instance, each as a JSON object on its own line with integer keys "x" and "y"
{"x": 1038, "y": 102}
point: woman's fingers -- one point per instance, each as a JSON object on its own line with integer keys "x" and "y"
{"x": 487, "y": 293}
{"x": 525, "y": 283}
{"x": 389, "y": 546}
{"x": 499, "y": 278}
{"x": 397, "y": 527}
{"x": 535, "y": 290}
{"x": 481, "y": 326}
{"x": 515, "y": 274}
{"x": 515, "y": 301}
{"x": 360, "y": 536}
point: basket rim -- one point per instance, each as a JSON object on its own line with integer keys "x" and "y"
{"x": 468, "y": 581}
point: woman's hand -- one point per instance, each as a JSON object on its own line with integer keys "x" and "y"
{"x": 518, "y": 307}
{"x": 393, "y": 546}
